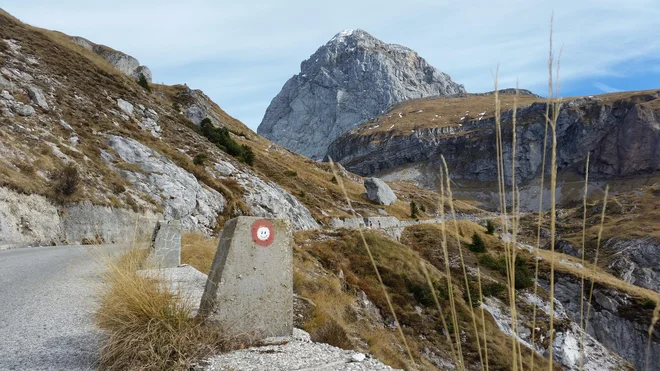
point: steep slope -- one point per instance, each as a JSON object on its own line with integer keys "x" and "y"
{"x": 85, "y": 151}
{"x": 352, "y": 78}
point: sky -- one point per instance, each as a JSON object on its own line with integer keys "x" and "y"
{"x": 241, "y": 53}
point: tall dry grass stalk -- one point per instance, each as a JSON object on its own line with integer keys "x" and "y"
{"x": 541, "y": 188}
{"x": 595, "y": 263}
{"x": 483, "y": 318}
{"x": 454, "y": 356}
{"x": 462, "y": 260}
{"x": 654, "y": 320}
{"x": 450, "y": 285}
{"x": 584, "y": 232}
{"x": 340, "y": 182}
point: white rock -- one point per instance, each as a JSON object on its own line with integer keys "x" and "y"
{"x": 126, "y": 107}
{"x": 182, "y": 196}
{"x": 37, "y": 96}
{"x": 24, "y": 110}
{"x": 358, "y": 357}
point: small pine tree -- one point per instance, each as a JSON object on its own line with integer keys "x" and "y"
{"x": 490, "y": 227}
{"x": 422, "y": 208}
{"x": 413, "y": 210}
{"x": 477, "y": 244}
{"x": 142, "y": 81}
{"x": 200, "y": 158}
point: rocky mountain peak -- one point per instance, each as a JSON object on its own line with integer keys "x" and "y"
{"x": 350, "y": 79}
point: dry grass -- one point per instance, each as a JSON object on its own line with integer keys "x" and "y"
{"x": 148, "y": 327}
{"x": 198, "y": 251}
{"x": 448, "y": 110}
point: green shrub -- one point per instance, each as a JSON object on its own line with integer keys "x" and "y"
{"x": 524, "y": 277}
{"x": 200, "y": 158}
{"x": 301, "y": 194}
{"x": 477, "y": 244}
{"x": 142, "y": 81}
{"x": 496, "y": 264}
{"x": 422, "y": 208}
{"x": 223, "y": 140}
{"x": 290, "y": 173}
{"x": 413, "y": 210}
{"x": 492, "y": 289}
{"x": 490, "y": 227}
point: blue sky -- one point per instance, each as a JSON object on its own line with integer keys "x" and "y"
{"x": 241, "y": 52}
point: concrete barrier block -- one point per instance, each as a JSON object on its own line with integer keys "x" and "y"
{"x": 249, "y": 291}
{"x": 166, "y": 244}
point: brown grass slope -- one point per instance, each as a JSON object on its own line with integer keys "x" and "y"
{"x": 85, "y": 91}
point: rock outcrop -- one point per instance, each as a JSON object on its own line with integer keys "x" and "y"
{"x": 126, "y": 64}
{"x": 32, "y": 220}
{"x": 617, "y": 321}
{"x": 181, "y": 195}
{"x": 379, "y": 192}
{"x": 352, "y": 78}
{"x": 584, "y": 125}
{"x": 637, "y": 261}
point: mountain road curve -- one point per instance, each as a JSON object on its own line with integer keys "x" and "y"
{"x": 47, "y": 301}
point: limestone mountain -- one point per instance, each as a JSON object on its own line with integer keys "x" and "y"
{"x": 352, "y": 78}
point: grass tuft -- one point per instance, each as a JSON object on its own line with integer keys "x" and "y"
{"x": 148, "y": 326}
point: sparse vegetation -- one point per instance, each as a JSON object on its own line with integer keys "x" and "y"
{"x": 200, "y": 158}
{"x": 413, "y": 209}
{"x": 490, "y": 227}
{"x": 290, "y": 173}
{"x": 477, "y": 244}
{"x": 142, "y": 81}
{"x": 223, "y": 140}
{"x": 148, "y": 327}
{"x": 66, "y": 181}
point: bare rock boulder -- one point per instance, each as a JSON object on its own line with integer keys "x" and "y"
{"x": 379, "y": 192}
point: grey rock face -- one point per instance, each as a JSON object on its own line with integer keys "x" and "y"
{"x": 37, "y": 96}
{"x": 585, "y": 125}
{"x": 126, "y": 64}
{"x": 616, "y": 321}
{"x": 125, "y": 106}
{"x": 26, "y": 220}
{"x": 109, "y": 225}
{"x": 24, "y": 110}
{"x": 352, "y": 78}
{"x": 181, "y": 195}
{"x": 268, "y": 200}
{"x": 637, "y": 261}
{"x": 379, "y": 192}
{"x": 197, "y": 106}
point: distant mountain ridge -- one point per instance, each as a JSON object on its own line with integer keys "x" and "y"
{"x": 352, "y": 78}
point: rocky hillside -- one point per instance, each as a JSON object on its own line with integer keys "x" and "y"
{"x": 621, "y": 131}
{"x": 352, "y": 78}
{"x": 87, "y": 153}
{"x": 82, "y": 139}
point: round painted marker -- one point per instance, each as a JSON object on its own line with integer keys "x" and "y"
{"x": 263, "y": 233}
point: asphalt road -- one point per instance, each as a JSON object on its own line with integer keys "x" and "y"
{"x": 47, "y": 300}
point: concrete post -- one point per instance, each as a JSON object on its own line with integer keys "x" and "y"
{"x": 166, "y": 244}
{"x": 249, "y": 291}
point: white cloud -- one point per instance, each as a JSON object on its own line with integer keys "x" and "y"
{"x": 258, "y": 44}
{"x": 605, "y": 88}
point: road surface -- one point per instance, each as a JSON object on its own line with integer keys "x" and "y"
{"x": 47, "y": 300}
